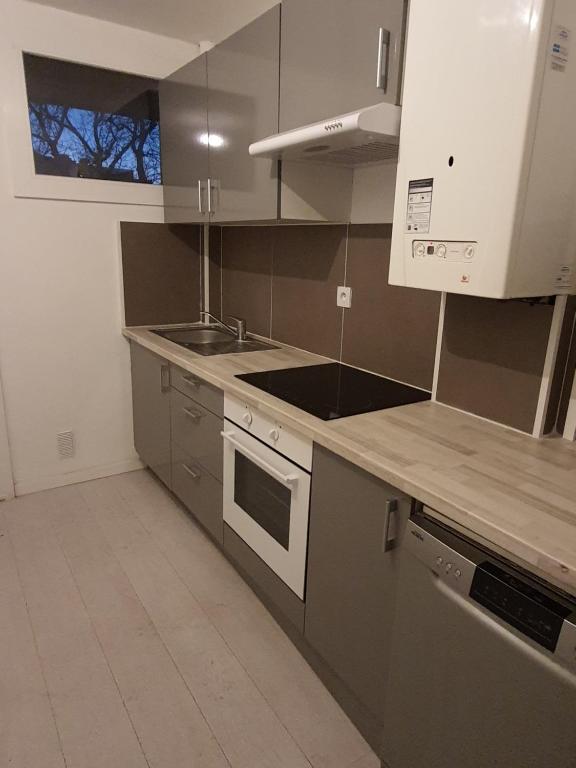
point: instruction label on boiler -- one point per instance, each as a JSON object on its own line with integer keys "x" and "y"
{"x": 419, "y": 210}
{"x": 560, "y": 50}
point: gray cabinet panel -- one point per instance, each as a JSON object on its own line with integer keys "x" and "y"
{"x": 263, "y": 579}
{"x": 151, "y": 408}
{"x": 210, "y": 397}
{"x": 351, "y": 580}
{"x": 199, "y": 491}
{"x": 330, "y": 56}
{"x": 197, "y": 432}
{"x": 243, "y": 76}
{"x": 184, "y": 137}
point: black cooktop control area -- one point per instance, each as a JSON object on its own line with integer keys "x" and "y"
{"x": 332, "y": 391}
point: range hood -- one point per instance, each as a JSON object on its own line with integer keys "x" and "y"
{"x": 366, "y": 136}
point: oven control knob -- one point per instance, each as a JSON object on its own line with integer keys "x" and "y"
{"x": 274, "y": 435}
{"x": 247, "y": 418}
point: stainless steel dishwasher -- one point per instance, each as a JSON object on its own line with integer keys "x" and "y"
{"x": 483, "y": 667}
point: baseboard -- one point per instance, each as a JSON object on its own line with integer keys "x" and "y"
{"x": 78, "y": 476}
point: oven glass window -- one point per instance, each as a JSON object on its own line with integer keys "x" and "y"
{"x": 263, "y": 498}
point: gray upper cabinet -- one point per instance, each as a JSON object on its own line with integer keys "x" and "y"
{"x": 330, "y": 56}
{"x": 151, "y": 407}
{"x": 184, "y": 142}
{"x": 243, "y": 74}
{"x": 351, "y": 573}
{"x": 211, "y": 110}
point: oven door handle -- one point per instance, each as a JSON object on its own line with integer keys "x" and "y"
{"x": 287, "y": 480}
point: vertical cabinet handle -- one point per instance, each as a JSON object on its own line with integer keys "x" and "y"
{"x": 383, "y": 58}
{"x": 213, "y": 187}
{"x": 210, "y": 196}
{"x": 390, "y": 525}
{"x": 200, "y": 196}
{"x": 164, "y": 378}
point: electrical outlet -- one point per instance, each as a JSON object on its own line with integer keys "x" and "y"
{"x": 344, "y": 296}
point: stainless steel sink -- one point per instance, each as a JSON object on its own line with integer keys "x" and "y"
{"x": 195, "y": 335}
{"x": 211, "y": 341}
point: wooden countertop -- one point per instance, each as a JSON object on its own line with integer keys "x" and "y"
{"x": 504, "y": 489}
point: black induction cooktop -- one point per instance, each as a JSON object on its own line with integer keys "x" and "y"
{"x": 332, "y": 391}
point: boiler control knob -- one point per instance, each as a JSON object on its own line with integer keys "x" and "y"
{"x": 247, "y": 418}
{"x": 274, "y": 435}
{"x": 420, "y": 249}
{"x": 441, "y": 251}
{"x": 469, "y": 252}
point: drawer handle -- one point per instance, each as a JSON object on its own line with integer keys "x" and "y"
{"x": 192, "y": 414}
{"x": 191, "y": 380}
{"x": 193, "y": 475}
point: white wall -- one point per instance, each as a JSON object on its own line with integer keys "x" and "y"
{"x": 64, "y": 363}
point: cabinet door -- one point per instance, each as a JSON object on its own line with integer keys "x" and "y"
{"x": 330, "y": 55}
{"x": 243, "y": 76}
{"x": 184, "y": 142}
{"x": 350, "y": 585}
{"x": 151, "y": 407}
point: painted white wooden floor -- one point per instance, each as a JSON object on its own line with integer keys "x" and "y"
{"x": 127, "y": 640}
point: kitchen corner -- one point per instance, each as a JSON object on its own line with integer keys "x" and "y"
{"x": 288, "y": 384}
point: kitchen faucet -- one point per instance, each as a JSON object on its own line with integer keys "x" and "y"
{"x": 239, "y": 331}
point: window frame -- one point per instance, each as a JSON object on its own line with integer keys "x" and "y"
{"x": 28, "y": 184}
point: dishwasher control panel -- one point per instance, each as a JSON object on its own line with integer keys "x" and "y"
{"x": 520, "y": 604}
{"x": 523, "y": 603}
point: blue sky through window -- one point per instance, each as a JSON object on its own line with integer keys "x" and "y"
{"x": 68, "y": 141}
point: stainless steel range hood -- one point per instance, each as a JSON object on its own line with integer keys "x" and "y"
{"x": 366, "y": 136}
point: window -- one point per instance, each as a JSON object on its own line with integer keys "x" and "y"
{"x": 92, "y": 123}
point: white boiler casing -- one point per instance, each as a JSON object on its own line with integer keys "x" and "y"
{"x": 486, "y": 187}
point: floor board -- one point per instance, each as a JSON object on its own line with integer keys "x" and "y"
{"x": 141, "y": 645}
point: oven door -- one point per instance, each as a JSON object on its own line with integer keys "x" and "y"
{"x": 266, "y": 502}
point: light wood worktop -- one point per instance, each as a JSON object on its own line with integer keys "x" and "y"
{"x": 498, "y": 486}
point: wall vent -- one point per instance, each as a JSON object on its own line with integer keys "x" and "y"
{"x": 66, "y": 448}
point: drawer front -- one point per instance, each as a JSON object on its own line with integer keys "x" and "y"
{"x": 197, "y": 431}
{"x": 198, "y": 491}
{"x": 189, "y": 384}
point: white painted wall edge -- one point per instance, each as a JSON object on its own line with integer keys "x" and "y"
{"x": 6, "y": 479}
{"x": 77, "y": 476}
{"x": 549, "y": 365}
{"x": 439, "y": 340}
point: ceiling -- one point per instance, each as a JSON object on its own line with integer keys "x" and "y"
{"x": 191, "y": 20}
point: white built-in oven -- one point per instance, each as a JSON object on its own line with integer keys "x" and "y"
{"x": 267, "y": 489}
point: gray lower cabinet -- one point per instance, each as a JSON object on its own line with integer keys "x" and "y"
{"x": 330, "y": 55}
{"x": 350, "y": 593}
{"x": 151, "y": 409}
{"x": 197, "y": 431}
{"x": 196, "y": 418}
{"x": 198, "y": 490}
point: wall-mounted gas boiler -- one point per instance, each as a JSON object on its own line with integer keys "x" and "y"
{"x": 486, "y": 187}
